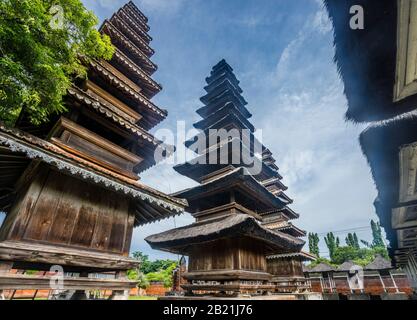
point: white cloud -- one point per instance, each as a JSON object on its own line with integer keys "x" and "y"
{"x": 316, "y": 24}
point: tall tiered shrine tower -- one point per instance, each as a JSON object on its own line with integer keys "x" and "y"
{"x": 71, "y": 188}
{"x": 240, "y": 207}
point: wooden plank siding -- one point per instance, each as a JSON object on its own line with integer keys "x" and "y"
{"x": 228, "y": 254}
{"x": 63, "y": 210}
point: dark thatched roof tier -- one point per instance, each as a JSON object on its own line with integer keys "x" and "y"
{"x": 379, "y": 263}
{"x": 366, "y": 59}
{"x": 219, "y": 78}
{"x": 322, "y": 267}
{"x": 228, "y": 152}
{"x": 291, "y": 229}
{"x": 237, "y": 225}
{"x": 220, "y": 100}
{"x": 239, "y": 180}
{"x": 381, "y": 143}
{"x": 225, "y": 113}
{"x": 347, "y": 266}
{"x": 224, "y": 87}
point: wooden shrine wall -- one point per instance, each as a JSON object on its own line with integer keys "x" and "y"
{"x": 61, "y": 210}
{"x": 285, "y": 267}
{"x": 228, "y": 254}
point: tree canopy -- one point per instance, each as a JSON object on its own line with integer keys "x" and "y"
{"x": 352, "y": 251}
{"x": 42, "y": 47}
{"x": 153, "y": 271}
{"x": 313, "y": 242}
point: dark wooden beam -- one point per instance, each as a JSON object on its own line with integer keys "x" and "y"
{"x": 54, "y": 255}
{"x": 10, "y": 281}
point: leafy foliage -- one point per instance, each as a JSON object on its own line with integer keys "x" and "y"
{"x": 321, "y": 260}
{"x": 138, "y": 276}
{"x": 332, "y": 243}
{"x": 164, "y": 275}
{"x": 361, "y": 256}
{"x": 154, "y": 271}
{"x": 352, "y": 251}
{"x": 313, "y": 243}
{"x": 352, "y": 241}
{"x": 38, "y": 61}
{"x": 378, "y": 240}
{"x": 147, "y": 266}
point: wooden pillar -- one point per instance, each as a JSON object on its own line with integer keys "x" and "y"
{"x": 120, "y": 294}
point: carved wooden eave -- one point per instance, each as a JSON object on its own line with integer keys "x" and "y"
{"x": 104, "y": 70}
{"x": 36, "y": 149}
{"x": 287, "y": 212}
{"x": 134, "y": 25}
{"x": 127, "y": 128}
{"x": 112, "y": 113}
{"x": 275, "y": 181}
{"x": 122, "y": 84}
{"x": 286, "y": 227}
{"x": 304, "y": 256}
{"x": 137, "y": 15}
{"x": 135, "y": 73}
{"x": 142, "y": 16}
{"x": 119, "y": 38}
{"x": 132, "y": 35}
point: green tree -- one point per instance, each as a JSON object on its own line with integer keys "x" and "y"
{"x": 165, "y": 276}
{"x": 352, "y": 241}
{"x": 139, "y": 277}
{"x": 331, "y": 243}
{"x": 313, "y": 243}
{"x": 362, "y": 256}
{"x": 44, "y": 47}
{"x": 147, "y": 266}
{"x": 378, "y": 240}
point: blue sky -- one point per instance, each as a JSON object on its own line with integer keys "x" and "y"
{"x": 282, "y": 52}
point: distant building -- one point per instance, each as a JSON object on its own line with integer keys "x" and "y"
{"x": 377, "y": 280}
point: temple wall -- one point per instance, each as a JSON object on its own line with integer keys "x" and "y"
{"x": 372, "y": 285}
{"x": 228, "y": 254}
{"x": 61, "y": 210}
{"x": 285, "y": 267}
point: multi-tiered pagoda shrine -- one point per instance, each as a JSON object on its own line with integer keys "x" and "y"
{"x": 240, "y": 208}
{"x": 71, "y": 188}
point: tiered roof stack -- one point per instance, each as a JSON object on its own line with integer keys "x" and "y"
{"x": 71, "y": 188}
{"x": 234, "y": 205}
